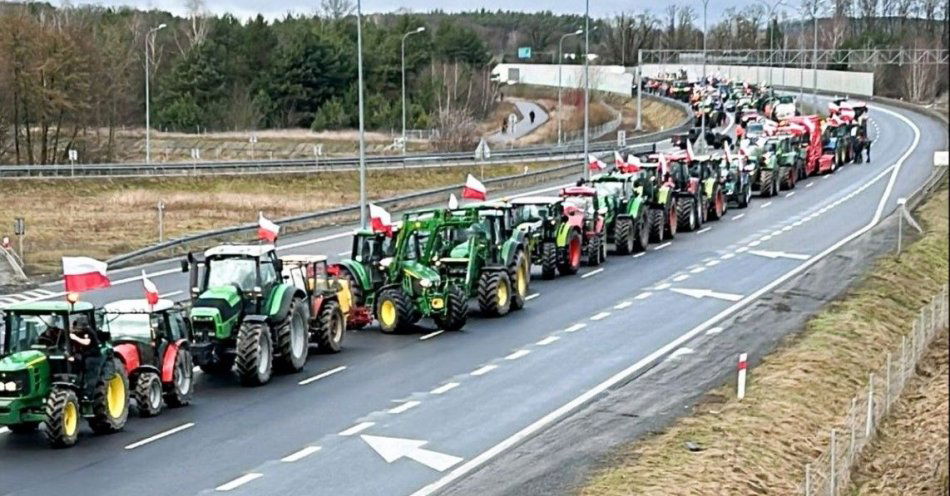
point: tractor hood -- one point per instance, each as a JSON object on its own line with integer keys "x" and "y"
{"x": 461, "y": 250}
{"x": 217, "y": 301}
{"x": 21, "y": 361}
{"x": 421, "y": 272}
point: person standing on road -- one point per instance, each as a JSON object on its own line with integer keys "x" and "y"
{"x": 531, "y": 116}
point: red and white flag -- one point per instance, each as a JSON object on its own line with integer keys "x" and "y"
{"x": 380, "y": 220}
{"x": 84, "y": 274}
{"x": 633, "y": 163}
{"x": 619, "y": 161}
{"x": 453, "y": 202}
{"x": 689, "y": 150}
{"x": 728, "y": 155}
{"x": 664, "y": 165}
{"x": 474, "y": 189}
{"x": 266, "y": 229}
{"x": 595, "y": 164}
{"x": 151, "y": 290}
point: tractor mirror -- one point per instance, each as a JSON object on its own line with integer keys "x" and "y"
{"x": 279, "y": 265}
{"x": 185, "y": 266}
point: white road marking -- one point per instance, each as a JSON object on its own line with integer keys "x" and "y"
{"x": 765, "y": 238}
{"x": 786, "y": 228}
{"x": 4, "y": 430}
{"x": 638, "y": 255}
{"x": 727, "y": 256}
{"x": 828, "y": 176}
{"x": 778, "y": 254}
{"x": 742, "y": 249}
{"x": 356, "y": 429}
{"x": 789, "y": 195}
{"x": 344, "y": 253}
{"x": 300, "y": 455}
{"x": 444, "y": 388}
{"x": 737, "y": 217}
{"x": 705, "y": 229}
{"x": 776, "y": 232}
{"x": 576, "y": 327}
{"x": 600, "y": 316}
{"x": 622, "y": 305}
{"x": 809, "y": 185}
{"x": 531, "y": 296}
{"x": 798, "y": 223}
{"x": 518, "y": 354}
{"x": 548, "y": 340}
{"x": 712, "y": 263}
{"x": 680, "y": 352}
{"x": 642, "y": 296}
{"x": 592, "y": 273}
{"x": 315, "y": 240}
{"x": 240, "y": 481}
{"x": 394, "y": 448}
{"x": 431, "y": 335}
{"x": 766, "y": 204}
{"x": 755, "y": 243}
{"x": 664, "y": 285}
{"x": 697, "y": 270}
{"x": 405, "y": 406}
{"x": 483, "y": 370}
{"x": 664, "y": 245}
{"x": 160, "y": 435}
{"x": 707, "y": 293}
{"x": 170, "y": 294}
{"x": 322, "y": 375}
{"x": 681, "y": 277}
{"x": 713, "y": 330}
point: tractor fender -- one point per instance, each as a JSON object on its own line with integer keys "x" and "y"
{"x": 279, "y": 306}
{"x": 168, "y": 361}
{"x": 636, "y": 203}
{"x": 129, "y": 355}
{"x": 510, "y": 249}
{"x": 359, "y": 273}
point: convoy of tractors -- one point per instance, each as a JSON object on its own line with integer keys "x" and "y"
{"x": 252, "y": 314}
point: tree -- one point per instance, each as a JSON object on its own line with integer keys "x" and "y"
{"x": 336, "y": 9}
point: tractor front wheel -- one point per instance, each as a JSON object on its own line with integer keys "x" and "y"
{"x": 548, "y": 260}
{"x": 642, "y": 238}
{"x": 456, "y": 310}
{"x": 624, "y": 236}
{"x": 571, "y": 260}
{"x": 718, "y": 206}
{"x": 292, "y": 342}
{"x": 178, "y": 392}
{"x": 657, "y": 224}
{"x": 148, "y": 394}
{"x": 745, "y": 196}
{"x": 594, "y": 250}
{"x": 330, "y": 328}
{"x": 110, "y": 401}
{"x": 672, "y": 225}
{"x": 393, "y": 310}
{"x": 255, "y": 354}
{"x": 494, "y": 293}
{"x": 767, "y": 183}
{"x": 686, "y": 214}
{"x": 61, "y": 426}
{"x": 520, "y": 274}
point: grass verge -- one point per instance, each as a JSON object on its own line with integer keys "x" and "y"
{"x": 761, "y": 445}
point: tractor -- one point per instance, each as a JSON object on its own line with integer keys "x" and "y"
{"x": 246, "y": 317}
{"x": 737, "y": 185}
{"x": 49, "y": 376}
{"x": 781, "y": 151}
{"x": 657, "y": 192}
{"x": 556, "y": 248}
{"x": 586, "y": 216}
{"x": 154, "y": 344}
{"x": 691, "y": 200}
{"x": 364, "y": 271}
{"x": 765, "y": 178}
{"x": 626, "y": 221}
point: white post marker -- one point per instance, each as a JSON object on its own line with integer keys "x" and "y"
{"x": 394, "y": 448}
{"x": 743, "y": 364}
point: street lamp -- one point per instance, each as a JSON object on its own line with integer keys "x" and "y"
{"x": 702, "y": 131}
{"x": 560, "y": 59}
{"x": 359, "y": 77}
{"x": 586, "y": 85}
{"x": 815, "y": 4}
{"x": 415, "y": 31}
{"x": 148, "y": 124}
{"x": 771, "y": 8}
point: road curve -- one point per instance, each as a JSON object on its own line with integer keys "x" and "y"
{"x": 433, "y": 410}
{"x": 524, "y": 125}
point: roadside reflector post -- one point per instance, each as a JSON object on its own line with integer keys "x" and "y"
{"x": 740, "y": 393}
{"x": 870, "y": 422}
{"x": 161, "y": 220}
{"x": 834, "y": 461}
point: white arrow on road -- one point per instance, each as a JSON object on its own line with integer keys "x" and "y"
{"x": 778, "y": 254}
{"x": 394, "y": 448}
{"x": 707, "y": 293}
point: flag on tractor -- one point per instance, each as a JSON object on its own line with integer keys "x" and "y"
{"x": 266, "y": 229}
{"x": 380, "y": 220}
{"x": 453, "y": 202}
{"x": 151, "y": 290}
{"x": 474, "y": 189}
{"x": 595, "y": 164}
{"x": 84, "y": 274}
{"x": 619, "y": 161}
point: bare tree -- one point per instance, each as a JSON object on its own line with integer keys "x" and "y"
{"x": 336, "y": 9}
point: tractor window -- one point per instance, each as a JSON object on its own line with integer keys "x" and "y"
{"x": 24, "y": 331}
{"x": 608, "y": 188}
{"x": 239, "y": 271}
{"x": 176, "y": 324}
{"x": 268, "y": 273}
{"x": 137, "y": 326}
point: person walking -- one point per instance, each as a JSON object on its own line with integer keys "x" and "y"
{"x": 531, "y": 116}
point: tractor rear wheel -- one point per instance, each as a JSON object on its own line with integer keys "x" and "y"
{"x": 61, "y": 426}
{"x": 330, "y": 328}
{"x": 642, "y": 238}
{"x": 148, "y": 394}
{"x": 571, "y": 261}
{"x": 520, "y": 273}
{"x": 178, "y": 392}
{"x": 767, "y": 182}
{"x": 624, "y": 236}
{"x": 456, "y": 310}
{"x": 548, "y": 260}
{"x": 657, "y": 219}
{"x": 686, "y": 214}
{"x": 393, "y": 311}
{"x": 292, "y": 339}
{"x": 24, "y": 427}
{"x": 110, "y": 401}
{"x": 494, "y": 293}
{"x": 255, "y": 354}
{"x": 672, "y": 222}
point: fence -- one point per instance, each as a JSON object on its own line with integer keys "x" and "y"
{"x": 830, "y": 473}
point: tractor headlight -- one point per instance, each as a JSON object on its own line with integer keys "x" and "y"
{"x": 10, "y": 386}
{"x": 425, "y": 283}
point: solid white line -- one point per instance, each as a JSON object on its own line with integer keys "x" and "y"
{"x": 360, "y": 427}
{"x": 531, "y": 296}
{"x": 809, "y": 185}
{"x": 430, "y": 335}
{"x": 697, "y": 270}
{"x": 518, "y": 354}
{"x": 240, "y": 481}
{"x": 622, "y": 305}
{"x": 664, "y": 245}
{"x": 623, "y": 375}
{"x": 322, "y": 375}
{"x": 705, "y": 229}
{"x": 548, "y": 340}
{"x": 405, "y": 406}
{"x": 713, "y": 330}
{"x": 789, "y": 195}
{"x": 592, "y": 273}
{"x": 483, "y": 370}
{"x": 600, "y": 316}
{"x": 160, "y": 435}
{"x": 681, "y": 277}
{"x": 642, "y": 296}
{"x": 765, "y": 204}
{"x": 300, "y": 455}
{"x": 445, "y": 387}
{"x": 576, "y": 327}
{"x": 638, "y": 255}
{"x": 737, "y": 217}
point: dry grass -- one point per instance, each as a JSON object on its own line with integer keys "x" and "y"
{"x": 657, "y": 116}
{"x": 761, "y": 445}
{"x": 103, "y": 218}
{"x": 909, "y": 454}
{"x": 500, "y": 113}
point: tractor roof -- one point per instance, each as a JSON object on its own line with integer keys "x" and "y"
{"x": 579, "y": 191}
{"x": 535, "y": 200}
{"x": 239, "y": 250}
{"x": 303, "y": 259}
{"x": 138, "y": 306}
{"x": 49, "y": 306}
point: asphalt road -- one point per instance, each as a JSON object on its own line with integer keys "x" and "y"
{"x": 524, "y": 125}
{"x": 467, "y": 397}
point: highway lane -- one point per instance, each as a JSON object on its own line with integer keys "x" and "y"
{"x": 238, "y": 431}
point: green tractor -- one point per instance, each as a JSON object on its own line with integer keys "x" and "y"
{"x": 553, "y": 247}
{"x": 56, "y": 366}
{"x": 786, "y": 158}
{"x": 657, "y": 192}
{"x": 627, "y": 219}
{"x": 365, "y": 270}
{"x": 245, "y": 316}
{"x": 766, "y": 179}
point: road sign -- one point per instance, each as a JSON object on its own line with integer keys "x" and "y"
{"x": 482, "y": 152}
{"x": 621, "y": 138}
{"x": 19, "y": 226}
{"x": 394, "y": 448}
{"x": 73, "y": 155}
{"x": 524, "y": 53}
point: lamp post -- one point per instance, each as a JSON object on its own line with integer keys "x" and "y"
{"x": 415, "y": 31}
{"x": 560, "y": 59}
{"x": 702, "y": 131}
{"x": 771, "y": 8}
{"x": 586, "y": 85}
{"x": 815, "y": 4}
{"x": 359, "y": 73}
{"x": 623, "y": 45}
{"x": 148, "y": 123}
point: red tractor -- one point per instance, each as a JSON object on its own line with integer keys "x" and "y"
{"x": 586, "y": 217}
{"x": 153, "y": 343}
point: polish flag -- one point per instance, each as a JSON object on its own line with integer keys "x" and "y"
{"x": 84, "y": 274}
{"x": 689, "y": 150}
{"x": 728, "y": 155}
{"x": 618, "y": 161}
{"x": 474, "y": 189}
{"x": 595, "y": 164}
{"x": 151, "y": 290}
{"x": 380, "y": 220}
{"x": 664, "y": 165}
{"x": 453, "y": 202}
{"x": 266, "y": 230}
{"x": 633, "y": 163}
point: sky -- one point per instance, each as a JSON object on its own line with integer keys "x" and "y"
{"x": 277, "y": 8}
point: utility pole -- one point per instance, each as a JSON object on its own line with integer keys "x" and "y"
{"x": 560, "y": 59}
{"x": 362, "y": 133}
{"x": 148, "y": 124}
{"x": 586, "y": 86}
{"x": 417, "y": 30}
{"x": 639, "y": 89}
{"x": 702, "y": 131}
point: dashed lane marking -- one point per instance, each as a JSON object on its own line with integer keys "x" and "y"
{"x": 622, "y": 305}
{"x": 737, "y": 217}
{"x": 697, "y": 270}
{"x": 483, "y": 370}
{"x": 681, "y": 277}
{"x": 322, "y": 375}
{"x": 240, "y": 481}
{"x": 300, "y": 455}
{"x": 343, "y": 253}
{"x": 360, "y": 427}
{"x": 600, "y": 316}
{"x": 433, "y": 334}
{"x": 642, "y": 296}
{"x": 444, "y": 388}
{"x": 404, "y": 407}
{"x": 592, "y": 273}
{"x": 809, "y": 185}
{"x": 712, "y": 263}
{"x": 727, "y": 256}
{"x": 518, "y": 354}
{"x": 766, "y": 204}
{"x": 577, "y": 327}
{"x": 742, "y": 249}
{"x": 705, "y": 229}
{"x": 789, "y": 195}
{"x": 548, "y": 340}
{"x": 160, "y": 435}
{"x": 664, "y": 245}
{"x": 664, "y": 285}
{"x": 638, "y": 255}
{"x": 532, "y": 296}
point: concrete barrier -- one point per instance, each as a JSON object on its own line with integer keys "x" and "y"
{"x": 854, "y": 83}
{"x": 608, "y": 78}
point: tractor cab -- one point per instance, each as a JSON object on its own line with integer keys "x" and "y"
{"x": 373, "y": 250}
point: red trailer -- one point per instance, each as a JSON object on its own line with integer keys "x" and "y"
{"x": 810, "y": 142}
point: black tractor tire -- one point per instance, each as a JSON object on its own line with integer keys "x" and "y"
{"x": 567, "y": 266}
{"x": 356, "y": 291}
{"x": 23, "y": 427}
{"x": 687, "y": 217}
{"x": 642, "y": 232}
{"x": 402, "y": 311}
{"x": 520, "y": 274}
{"x": 788, "y": 178}
{"x": 594, "y": 250}
{"x": 148, "y": 394}
{"x": 657, "y": 219}
{"x": 293, "y": 341}
{"x": 456, "y": 310}
{"x": 179, "y": 391}
{"x": 671, "y": 224}
{"x": 329, "y": 328}
{"x": 106, "y": 419}
{"x": 494, "y": 293}
{"x": 745, "y": 196}
{"x": 255, "y": 354}
{"x": 221, "y": 366}
{"x": 58, "y": 433}
{"x": 548, "y": 260}
{"x": 767, "y": 182}
{"x": 624, "y": 236}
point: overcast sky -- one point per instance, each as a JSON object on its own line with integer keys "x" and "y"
{"x": 277, "y": 8}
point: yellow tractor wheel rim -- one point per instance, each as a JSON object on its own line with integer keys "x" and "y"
{"x": 502, "y": 293}
{"x": 387, "y": 313}
{"x": 522, "y": 281}
{"x": 70, "y": 419}
{"x": 115, "y": 396}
